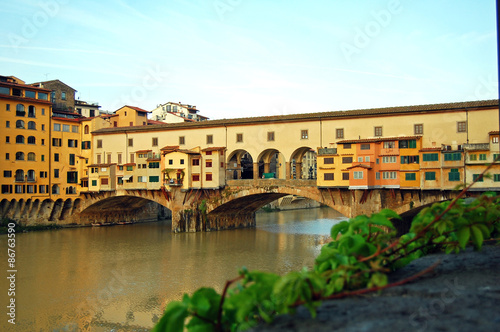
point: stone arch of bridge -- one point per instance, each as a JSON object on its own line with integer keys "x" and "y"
{"x": 248, "y": 201}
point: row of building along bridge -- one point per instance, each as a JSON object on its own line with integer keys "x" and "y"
{"x": 59, "y": 154}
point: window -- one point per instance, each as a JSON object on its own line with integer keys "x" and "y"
{"x": 196, "y": 177}
{"x": 328, "y": 176}
{"x": 72, "y": 143}
{"x": 86, "y": 145}
{"x": 360, "y": 159}
{"x": 430, "y": 176}
{"x": 130, "y": 142}
{"x": 98, "y": 159}
{"x": 208, "y": 163}
{"x": 4, "y": 91}
{"x": 63, "y": 95}
{"x": 20, "y": 110}
{"x": 130, "y": 168}
{"x": 389, "y": 159}
{"x": 7, "y": 124}
{"x": 410, "y": 159}
{"x": 154, "y": 178}
{"x": 239, "y": 138}
{"x": 430, "y": 157}
{"x": 367, "y": 159}
{"x": 86, "y": 129}
{"x": 461, "y": 126}
{"x": 494, "y": 139}
{"x": 57, "y": 127}
{"x": 347, "y": 145}
{"x": 304, "y": 134}
{"x": 43, "y": 96}
{"x": 43, "y": 111}
{"x": 56, "y": 142}
{"x": 31, "y": 156}
{"x": 74, "y": 129}
{"x": 378, "y": 131}
{"x": 346, "y": 160}
{"x": 389, "y": 145}
{"x": 408, "y": 144}
{"x": 19, "y": 124}
{"x": 182, "y": 161}
{"x": 7, "y": 174}
{"x": 270, "y": 136}
{"x": 328, "y": 160}
{"x": 365, "y": 146}
{"x": 473, "y": 157}
{"x": 99, "y": 143}
{"x": 7, "y": 139}
{"x": 410, "y": 176}
{"x": 389, "y": 175}
{"x": 56, "y": 156}
{"x": 358, "y": 175}
{"x": 19, "y": 139}
{"x": 72, "y": 177}
{"x": 454, "y": 175}
{"x": 477, "y": 177}
{"x": 56, "y": 173}
{"x": 43, "y": 157}
{"x": 482, "y": 156}
{"x": 154, "y": 141}
{"x": 32, "y": 125}
{"x": 208, "y": 177}
{"x": 7, "y": 156}
{"x": 119, "y": 158}
{"x": 208, "y": 153}
{"x": 196, "y": 162}
{"x": 339, "y": 133}
{"x": 19, "y": 189}
{"x": 43, "y": 127}
{"x": 345, "y": 176}
{"x": 496, "y": 177}
{"x": 19, "y": 175}
{"x": 43, "y": 174}
{"x": 65, "y": 128}
{"x": 104, "y": 181}
{"x": 418, "y": 129}
{"x": 170, "y": 161}
{"x": 94, "y": 183}
{"x": 452, "y": 156}
{"x": 19, "y": 156}
{"x": 72, "y": 159}
{"x": 31, "y": 111}
{"x": 210, "y": 139}
{"x": 155, "y": 164}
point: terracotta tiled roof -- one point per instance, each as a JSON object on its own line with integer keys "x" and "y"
{"x": 169, "y": 147}
{"x": 314, "y": 116}
{"x": 494, "y": 132}
{"x": 431, "y": 149}
{"x": 359, "y": 165}
{"x": 181, "y": 150}
{"x": 378, "y": 139}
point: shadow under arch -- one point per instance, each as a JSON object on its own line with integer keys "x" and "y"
{"x": 302, "y": 158}
{"x": 239, "y": 165}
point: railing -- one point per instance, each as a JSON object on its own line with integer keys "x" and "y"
{"x": 324, "y": 151}
{"x": 477, "y": 146}
{"x": 174, "y": 183}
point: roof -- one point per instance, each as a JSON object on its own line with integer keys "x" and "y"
{"x": 169, "y": 147}
{"x": 129, "y": 164}
{"x": 494, "y": 132}
{"x": 378, "y": 139}
{"x": 151, "y": 122}
{"x": 438, "y": 108}
{"x": 138, "y": 109}
{"x": 52, "y": 81}
{"x": 142, "y": 151}
{"x": 430, "y": 149}
{"x": 181, "y": 151}
{"x": 219, "y": 148}
{"x": 359, "y": 165}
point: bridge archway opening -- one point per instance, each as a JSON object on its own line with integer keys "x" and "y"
{"x": 240, "y": 165}
{"x": 272, "y": 163}
{"x": 303, "y": 164}
{"x": 125, "y": 208}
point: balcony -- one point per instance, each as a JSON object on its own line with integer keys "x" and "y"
{"x": 477, "y": 147}
{"x": 327, "y": 151}
{"x": 174, "y": 183}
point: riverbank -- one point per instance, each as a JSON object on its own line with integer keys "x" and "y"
{"x": 461, "y": 294}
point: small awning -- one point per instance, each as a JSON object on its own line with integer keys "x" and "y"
{"x": 126, "y": 177}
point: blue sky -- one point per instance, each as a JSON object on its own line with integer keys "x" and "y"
{"x": 239, "y": 58}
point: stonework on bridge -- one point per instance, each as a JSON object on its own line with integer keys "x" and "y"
{"x": 210, "y": 210}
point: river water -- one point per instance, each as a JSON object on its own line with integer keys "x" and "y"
{"x": 120, "y": 278}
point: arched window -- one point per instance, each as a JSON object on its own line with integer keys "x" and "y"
{"x": 55, "y": 189}
{"x": 20, "y": 175}
{"x": 86, "y": 129}
{"x": 31, "y": 111}
{"x": 31, "y": 156}
{"x": 31, "y": 140}
{"x": 20, "y": 124}
{"x": 20, "y": 110}
{"x": 20, "y": 139}
{"x": 32, "y": 125}
{"x": 31, "y": 175}
{"x": 19, "y": 155}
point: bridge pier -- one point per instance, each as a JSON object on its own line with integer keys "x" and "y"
{"x": 194, "y": 220}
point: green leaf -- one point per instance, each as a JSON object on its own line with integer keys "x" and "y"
{"x": 388, "y": 213}
{"x": 341, "y": 227}
{"x": 477, "y": 236}
{"x": 205, "y": 302}
{"x": 463, "y": 235}
{"x": 173, "y": 318}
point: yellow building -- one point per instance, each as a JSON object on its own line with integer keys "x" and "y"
{"x": 25, "y": 121}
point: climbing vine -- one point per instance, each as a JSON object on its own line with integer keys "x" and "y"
{"x": 363, "y": 251}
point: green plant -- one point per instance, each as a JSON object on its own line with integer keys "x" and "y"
{"x": 363, "y": 251}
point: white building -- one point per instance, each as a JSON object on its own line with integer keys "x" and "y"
{"x": 176, "y": 112}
